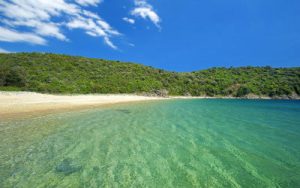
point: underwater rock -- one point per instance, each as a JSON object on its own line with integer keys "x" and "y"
{"x": 96, "y": 168}
{"x": 67, "y": 167}
{"x": 124, "y": 111}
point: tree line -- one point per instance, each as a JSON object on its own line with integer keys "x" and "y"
{"x": 53, "y": 73}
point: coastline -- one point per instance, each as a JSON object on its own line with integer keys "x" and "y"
{"x": 249, "y": 97}
{"x": 19, "y": 104}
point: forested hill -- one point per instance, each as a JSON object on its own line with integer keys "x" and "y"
{"x": 51, "y": 73}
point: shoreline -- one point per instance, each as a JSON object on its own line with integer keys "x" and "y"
{"x": 226, "y": 97}
{"x": 20, "y": 104}
{"x": 249, "y": 97}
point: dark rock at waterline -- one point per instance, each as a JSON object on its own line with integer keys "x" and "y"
{"x": 162, "y": 92}
{"x": 67, "y": 167}
{"x": 156, "y": 93}
{"x": 187, "y": 94}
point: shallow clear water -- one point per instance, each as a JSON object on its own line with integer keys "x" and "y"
{"x": 174, "y": 143}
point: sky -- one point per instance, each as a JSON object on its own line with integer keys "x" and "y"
{"x": 176, "y": 35}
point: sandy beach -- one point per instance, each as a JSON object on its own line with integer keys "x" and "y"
{"x": 14, "y": 104}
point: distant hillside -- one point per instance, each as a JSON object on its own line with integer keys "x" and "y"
{"x": 51, "y": 73}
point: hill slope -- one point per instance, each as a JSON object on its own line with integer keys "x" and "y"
{"x": 53, "y": 73}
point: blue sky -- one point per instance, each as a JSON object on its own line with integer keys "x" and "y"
{"x": 174, "y": 35}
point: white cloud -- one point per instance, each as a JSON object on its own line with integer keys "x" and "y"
{"x": 4, "y": 51}
{"x": 95, "y": 28}
{"x": 38, "y": 16}
{"x": 109, "y": 43}
{"x": 88, "y": 2}
{"x": 39, "y": 27}
{"x": 129, "y": 20}
{"x": 144, "y": 10}
{"x": 8, "y": 35}
{"x": 131, "y": 44}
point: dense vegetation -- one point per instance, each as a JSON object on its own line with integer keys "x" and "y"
{"x": 51, "y": 73}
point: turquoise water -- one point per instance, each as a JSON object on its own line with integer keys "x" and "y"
{"x": 173, "y": 143}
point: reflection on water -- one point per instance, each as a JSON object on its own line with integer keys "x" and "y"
{"x": 176, "y": 143}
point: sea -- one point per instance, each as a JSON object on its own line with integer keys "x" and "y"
{"x": 167, "y": 143}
